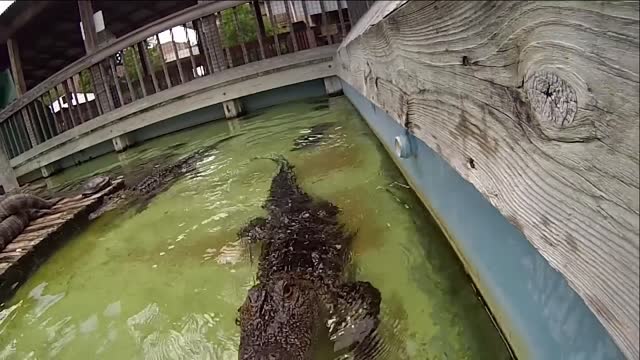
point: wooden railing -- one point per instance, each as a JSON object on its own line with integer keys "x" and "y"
{"x": 216, "y": 36}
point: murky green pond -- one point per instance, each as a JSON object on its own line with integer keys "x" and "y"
{"x": 166, "y": 282}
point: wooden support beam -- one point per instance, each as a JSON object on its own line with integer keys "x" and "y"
{"x": 16, "y": 66}
{"x": 88, "y": 26}
{"x": 536, "y": 106}
{"x": 8, "y": 179}
{"x": 274, "y": 26}
{"x": 257, "y": 14}
{"x": 163, "y": 62}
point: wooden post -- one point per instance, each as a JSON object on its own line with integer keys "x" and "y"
{"x": 132, "y": 90}
{"x": 274, "y": 26}
{"x": 16, "y": 66}
{"x": 259, "y": 20}
{"x": 292, "y": 34}
{"x": 257, "y": 13}
{"x": 114, "y": 73}
{"x": 197, "y": 24}
{"x": 325, "y": 25}
{"x": 163, "y": 63}
{"x": 175, "y": 51}
{"x": 343, "y": 30}
{"x": 91, "y": 44}
{"x": 142, "y": 48}
{"x": 311, "y": 37}
{"x": 193, "y": 61}
{"x": 105, "y": 82}
{"x": 8, "y": 178}
{"x": 53, "y": 131}
{"x": 100, "y": 108}
{"x": 69, "y": 98}
{"x": 18, "y": 79}
{"x": 212, "y": 41}
{"x": 76, "y": 96}
{"x": 138, "y": 72}
{"x": 88, "y": 26}
{"x": 33, "y": 113}
{"x": 49, "y": 100}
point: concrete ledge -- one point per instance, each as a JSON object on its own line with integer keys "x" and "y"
{"x": 206, "y": 91}
{"x": 541, "y": 316}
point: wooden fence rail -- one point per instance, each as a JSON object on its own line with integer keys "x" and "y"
{"x": 138, "y": 64}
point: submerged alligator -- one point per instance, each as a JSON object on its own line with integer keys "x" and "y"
{"x": 16, "y": 211}
{"x": 312, "y": 136}
{"x": 303, "y": 292}
{"x": 160, "y": 179}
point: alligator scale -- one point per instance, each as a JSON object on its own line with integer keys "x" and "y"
{"x": 303, "y": 291}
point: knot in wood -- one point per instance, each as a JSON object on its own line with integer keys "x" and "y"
{"x": 552, "y": 99}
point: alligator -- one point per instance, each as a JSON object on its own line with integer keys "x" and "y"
{"x": 312, "y": 137}
{"x": 16, "y": 211}
{"x": 303, "y": 292}
{"x": 160, "y": 179}
{"x": 17, "y": 203}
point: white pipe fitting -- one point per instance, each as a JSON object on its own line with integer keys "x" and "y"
{"x": 402, "y": 146}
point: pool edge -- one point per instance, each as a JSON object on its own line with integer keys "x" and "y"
{"x": 538, "y": 313}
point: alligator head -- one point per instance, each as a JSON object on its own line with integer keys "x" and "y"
{"x": 279, "y": 320}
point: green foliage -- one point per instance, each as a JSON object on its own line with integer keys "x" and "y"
{"x": 154, "y": 57}
{"x": 130, "y": 55}
{"x": 85, "y": 82}
{"x": 246, "y": 23}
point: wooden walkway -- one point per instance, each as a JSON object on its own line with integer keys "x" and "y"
{"x": 42, "y": 237}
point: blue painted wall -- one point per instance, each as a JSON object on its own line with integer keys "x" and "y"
{"x": 541, "y": 316}
{"x": 284, "y": 94}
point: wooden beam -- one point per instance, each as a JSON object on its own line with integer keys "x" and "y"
{"x": 16, "y": 66}
{"x": 88, "y": 26}
{"x": 140, "y": 34}
{"x": 535, "y": 105}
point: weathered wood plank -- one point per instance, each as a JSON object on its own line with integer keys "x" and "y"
{"x": 536, "y": 104}
{"x": 88, "y": 26}
{"x": 163, "y": 62}
{"x": 116, "y": 81}
{"x": 23, "y": 255}
{"x": 175, "y": 51}
{"x": 16, "y": 66}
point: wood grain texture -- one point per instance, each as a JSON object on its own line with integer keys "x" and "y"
{"x": 536, "y": 104}
{"x": 43, "y": 236}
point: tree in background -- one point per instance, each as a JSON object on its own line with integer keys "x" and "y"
{"x": 246, "y": 23}
{"x": 126, "y": 58}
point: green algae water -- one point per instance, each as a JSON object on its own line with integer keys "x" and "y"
{"x": 165, "y": 281}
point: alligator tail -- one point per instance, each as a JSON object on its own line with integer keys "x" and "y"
{"x": 282, "y": 162}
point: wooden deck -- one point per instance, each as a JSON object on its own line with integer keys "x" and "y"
{"x": 43, "y": 236}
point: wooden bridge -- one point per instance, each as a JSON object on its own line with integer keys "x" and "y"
{"x": 193, "y": 57}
